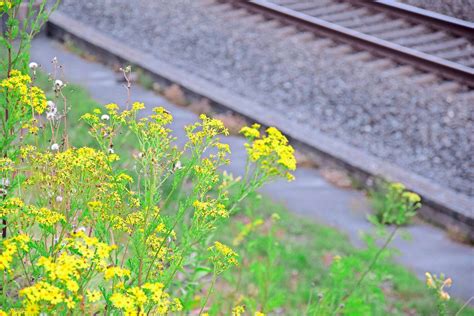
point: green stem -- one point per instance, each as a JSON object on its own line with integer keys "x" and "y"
{"x": 369, "y": 268}
{"x": 214, "y": 277}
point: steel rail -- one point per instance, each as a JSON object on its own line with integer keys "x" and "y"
{"x": 421, "y": 16}
{"x": 404, "y": 55}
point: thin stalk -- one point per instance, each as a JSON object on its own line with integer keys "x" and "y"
{"x": 214, "y": 277}
{"x": 369, "y": 268}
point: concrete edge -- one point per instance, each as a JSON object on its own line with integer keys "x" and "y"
{"x": 442, "y": 206}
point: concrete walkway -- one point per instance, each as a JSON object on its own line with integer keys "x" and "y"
{"x": 429, "y": 249}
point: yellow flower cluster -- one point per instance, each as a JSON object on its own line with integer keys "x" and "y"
{"x": 397, "y": 189}
{"x": 11, "y": 206}
{"x": 90, "y": 248}
{"x": 18, "y": 85}
{"x": 133, "y": 300}
{"x": 222, "y": 257}
{"x": 438, "y": 284}
{"x": 6, "y": 165}
{"x": 45, "y": 216}
{"x": 238, "y": 310}
{"x": 118, "y": 272}
{"x": 205, "y": 130}
{"x": 10, "y": 247}
{"x": 271, "y": 152}
{"x": 5, "y": 5}
{"x": 138, "y": 106}
{"x": 43, "y": 292}
{"x": 210, "y": 209}
{"x": 411, "y": 197}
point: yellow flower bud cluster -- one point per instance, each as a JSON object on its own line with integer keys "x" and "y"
{"x": 271, "y": 152}
{"x": 438, "y": 284}
{"x": 17, "y": 86}
{"x": 222, "y": 257}
{"x": 10, "y": 247}
{"x": 11, "y": 206}
{"x": 149, "y": 294}
{"x": 45, "y": 216}
{"x": 210, "y": 209}
{"x": 201, "y": 132}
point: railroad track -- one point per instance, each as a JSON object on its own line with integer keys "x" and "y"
{"x": 413, "y": 37}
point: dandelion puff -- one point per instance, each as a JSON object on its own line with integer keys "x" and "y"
{"x": 177, "y": 166}
{"x": 33, "y": 65}
{"x": 111, "y": 151}
{"x": 105, "y": 117}
{"x": 51, "y": 105}
{"x": 59, "y": 198}
{"x": 58, "y": 84}
{"x": 54, "y": 147}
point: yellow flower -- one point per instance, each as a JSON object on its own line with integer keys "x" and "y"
{"x": 45, "y": 216}
{"x": 238, "y": 310}
{"x": 93, "y": 296}
{"x": 138, "y": 295}
{"x": 222, "y": 257}
{"x": 138, "y": 106}
{"x": 412, "y": 197}
{"x": 444, "y": 296}
{"x": 112, "y": 107}
{"x": 271, "y": 152}
{"x": 251, "y": 132}
{"x": 5, "y": 5}
{"x": 397, "y": 186}
{"x": 116, "y": 272}
{"x": 72, "y": 285}
{"x": 32, "y": 309}
{"x": 70, "y": 302}
{"x": 43, "y": 291}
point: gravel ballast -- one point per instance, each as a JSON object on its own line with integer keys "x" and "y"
{"x": 418, "y": 128}
{"x": 461, "y": 9}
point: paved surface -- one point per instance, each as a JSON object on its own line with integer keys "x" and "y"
{"x": 309, "y": 195}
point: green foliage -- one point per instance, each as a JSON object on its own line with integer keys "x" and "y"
{"x": 393, "y": 204}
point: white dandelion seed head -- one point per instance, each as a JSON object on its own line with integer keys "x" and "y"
{"x": 58, "y": 84}
{"x": 59, "y": 199}
{"x": 51, "y": 104}
{"x": 54, "y": 147}
{"x": 105, "y": 117}
{"x": 54, "y": 60}
{"x": 178, "y": 165}
{"x": 111, "y": 151}
{"x": 33, "y": 65}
